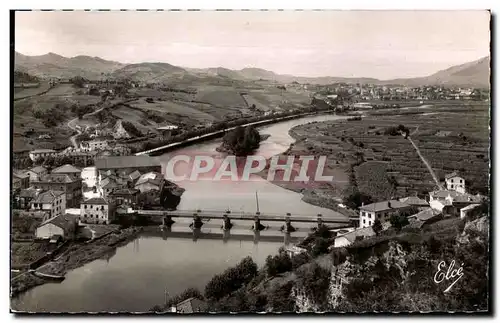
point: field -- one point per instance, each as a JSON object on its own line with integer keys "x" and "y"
{"x": 20, "y": 93}
{"x": 386, "y": 166}
{"x": 200, "y": 101}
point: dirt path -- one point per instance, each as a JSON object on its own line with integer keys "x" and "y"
{"x": 73, "y": 127}
{"x": 425, "y": 162}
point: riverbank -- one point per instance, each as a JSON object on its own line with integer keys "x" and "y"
{"x": 77, "y": 255}
{"x": 322, "y": 194}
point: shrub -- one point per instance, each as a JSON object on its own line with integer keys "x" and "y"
{"x": 278, "y": 264}
{"x": 320, "y": 247}
{"x": 398, "y": 221}
{"x": 231, "y": 280}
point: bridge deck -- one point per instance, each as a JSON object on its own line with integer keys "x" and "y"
{"x": 242, "y": 216}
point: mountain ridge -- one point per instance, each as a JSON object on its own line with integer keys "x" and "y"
{"x": 474, "y": 74}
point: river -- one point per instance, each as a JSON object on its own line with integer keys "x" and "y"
{"x": 135, "y": 277}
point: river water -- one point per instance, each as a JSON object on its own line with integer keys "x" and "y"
{"x": 136, "y": 276}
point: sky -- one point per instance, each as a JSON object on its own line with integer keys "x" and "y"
{"x": 380, "y": 44}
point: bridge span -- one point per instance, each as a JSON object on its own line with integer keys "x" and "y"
{"x": 226, "y": 216}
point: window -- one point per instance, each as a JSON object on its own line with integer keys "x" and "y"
{"x": 91, "y": 206}
{"x": 452, "y": 180}
{"x": 102, "y": 208}
{"x": 461, "y": 181}
{"x": 369, "y": 222}
{"x": 85, "y": 206}
{"x": 378, "y": 215}
{"x": 91, "y": 215}
{"x": 364, "y": 221}
{"x": 369, "y": 215}
{"x": 85, "y": 215}
{"x": 452, "y": 186}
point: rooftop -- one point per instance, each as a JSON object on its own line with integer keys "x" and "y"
{"x": 454, "y": 174}
{"x": 68, "y": 168}
{"x": 424, "y": 215}
{"x": 56, "y": 178}
{"x": 383, "y": 206}
{"x": 362, "y": 232}
{"x": 41, "y": 151}
{"x": 96, "y": 200}
{"x": 456, "y": 196}
{"x": 126, "y": 162}
{"x": 64, "y": 221}
{"x": 414, "y": 200}
{"x": 38, "y": 169}
{"x": 47, "y": 197}
{"x": 191, "y": 305}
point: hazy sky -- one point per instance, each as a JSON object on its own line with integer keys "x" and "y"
{"x": 383, "y": 44}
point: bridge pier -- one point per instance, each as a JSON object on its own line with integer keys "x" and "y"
{"x": 256, "y": 224}
{"x": 256, "y": 236}
{"x": 226, "y": 234}
{"x": 167, "y": 221}
{"x": 288, "y": 225}
{"x": 226, "y": 223}
{"x": 320, "y": 221}
{"x": 196, "y": 234}
{"x": 197, "y": 223}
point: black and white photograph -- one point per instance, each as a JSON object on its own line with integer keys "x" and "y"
{"x": 200, "y": 162}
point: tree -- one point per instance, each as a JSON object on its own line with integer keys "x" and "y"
{"x": 377, "y": 226}
{"x": 78, "y": 81}
{"x": 320, "y": 247}
{"x": 278, "y": 264}
{"x": 398, "y": 221}
{"x": 356, "y": 199}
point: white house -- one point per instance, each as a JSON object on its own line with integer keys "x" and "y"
{"x": 455, "y": 182}
{"x": 442, "y": 198}
{"x": 63, "y": 225}
{"x": 52, "y": 202}
{"x": 96, "y": 210}
{"x": 37, "y": 153}
{"x": 379, "y": 210}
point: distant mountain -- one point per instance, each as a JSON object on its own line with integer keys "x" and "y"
{"x": 475, "y": 74}
{"x": 53, "y": 65}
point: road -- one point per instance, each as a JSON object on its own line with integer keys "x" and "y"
{"x": 426, "y": 163}
{"x": 73, "y": 127}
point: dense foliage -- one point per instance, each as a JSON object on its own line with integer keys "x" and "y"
{"x": 356, "y": 199}
{"x": 231, "y": 280}
{"x": 278, "y": 264}
{"x": 241, "y": 141}
{"x": 131, "y": 129}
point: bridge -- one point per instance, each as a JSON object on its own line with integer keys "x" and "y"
{"x": 226, "y": 216}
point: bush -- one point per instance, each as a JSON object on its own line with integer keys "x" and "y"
{"x": 398, "y": 221}
{"x": 278, "y": 264}
{"x": 131, "y": 129}
{"x": 314, "y": 280}
{"x": 356, "y": 199}
{"x": 320, "y": 247}
{"x": 231, "y": 280}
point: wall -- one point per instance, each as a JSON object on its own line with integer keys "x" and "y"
{"x": 92, "y": 213}
{"x": 48, "y": 230}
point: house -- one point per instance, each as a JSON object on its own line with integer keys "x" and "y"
{"x": 69, "y": 170}
{"x": 52, "y": 202}
{"x": 124, "y": 196}
{"x": 150, "y": 181}
{"x": 72, "y": 187}
{"x": 450, "y": 201}
{"x": 424, "y": 217}
{"x": 108, "y": 185}
{"x": 470, "y": 210}
{"x": 189, "y": 306}
{"x": 414, "y": 201}
{"x": 379, "y": 210}
{"x": 37, "y": 153}
{"x": 20, "y": 180}
{"x": 36, "y": 172}
{"x": 96, "y": 210}
{"x": 63, "y": 225}
{"x": 97, "y": 144}
{"x": 455, "y": 182}
{"x": 134, "y": 176}
{"x": 348, "y": 238}
{"x": 125, "y": 165}
{"x": 25, "y": 196}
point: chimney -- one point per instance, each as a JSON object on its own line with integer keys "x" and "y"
{"x": 389, "y": 204}
{"x": 362, "y": 203}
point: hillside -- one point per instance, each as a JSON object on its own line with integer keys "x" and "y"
{"x": 53, "y": 65}
{"x": 475, "y": 74}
